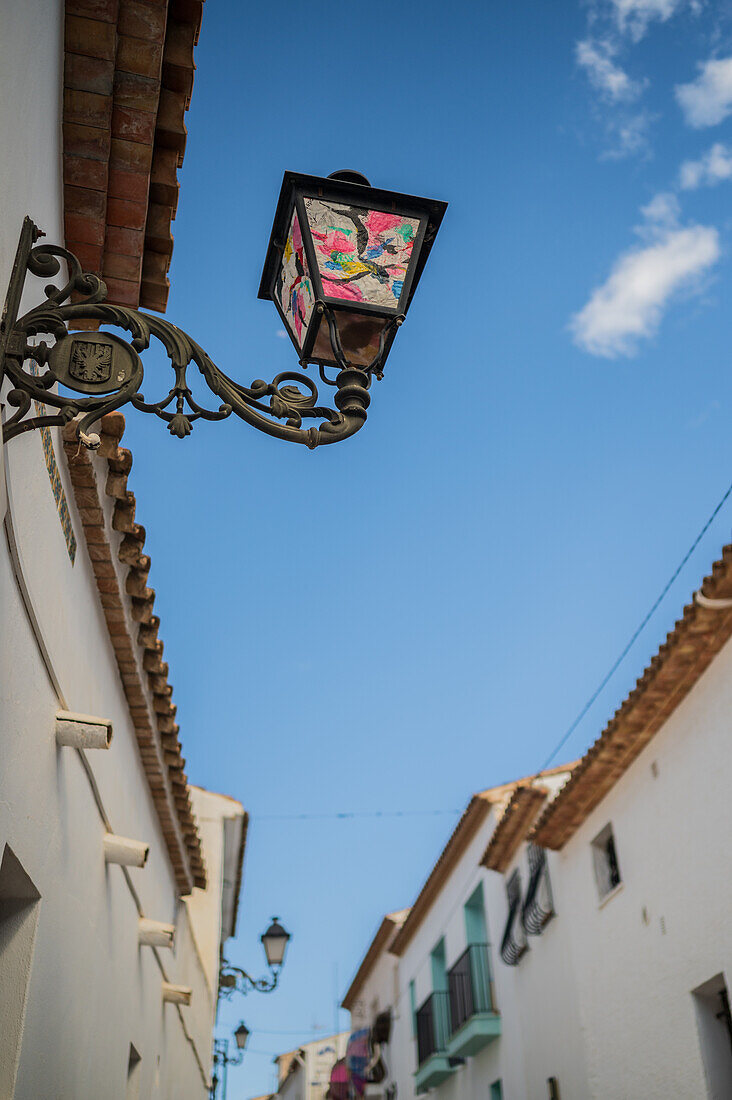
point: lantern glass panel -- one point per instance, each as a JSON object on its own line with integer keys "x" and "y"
{"x": 362, "y": 254}
{"x": 359, "y": 335}
{"x": 294, "y": 288}
{"x": 274, "y": 941}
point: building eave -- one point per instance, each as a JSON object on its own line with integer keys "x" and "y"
{"x": 378, "y": 945}
{"x": 121, "y": 570}
{"x": 480, "y": 805}
{"x": 473, "y": 817}
{"x": 680, "y": 662}
{"x": 239, "y": 871}
{"x": 128, "y": 77}
{"x": 508, "y": 834}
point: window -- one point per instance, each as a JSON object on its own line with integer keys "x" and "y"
{"x": 513, "y": 944}
{"x": 605, "y": 859}
{"x": 133, "y": 1075}
{"x": 18, "y": 919}
{"x": 439, "y": 968}
{"x": 497, "y": 1090}
{"x": 469, "y": 978}
{"x": 475, "y": 922}
{"x": 714, "y": 1024}
{"x": 413, "y": 1007}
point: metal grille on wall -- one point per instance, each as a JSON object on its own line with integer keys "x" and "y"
{"x": 513, "y": 944}
{"x": 538, "y": 907}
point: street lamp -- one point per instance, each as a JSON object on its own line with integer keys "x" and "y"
{"x": 275, "y": 941}
{"x": 241, "y": 1036}
{"x": 221, "y": 1057}
{"x": 232, "y": 979}
{"x": 343, "y": 262}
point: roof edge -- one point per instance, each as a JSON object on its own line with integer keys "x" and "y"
{"x": 121, "y": 570}
{"x": 383, "y": 935}
{"x": 472, "y": 818}
{"x": 676, "y": 668}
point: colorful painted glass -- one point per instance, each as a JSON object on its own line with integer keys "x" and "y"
{"x": 362, "y": 254}
{"x": 294, "y": 288}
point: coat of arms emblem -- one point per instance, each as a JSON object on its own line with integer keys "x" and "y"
{"x": 91, "y": 362}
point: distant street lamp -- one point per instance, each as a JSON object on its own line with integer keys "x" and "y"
{"x": 241, "y": 1035}
{"x": 232, "y": 979}
{"x": 222, "y": 1058}
{"x": 343, "y": 262}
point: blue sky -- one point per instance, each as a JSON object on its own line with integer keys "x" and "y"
{"x": 394, "y": 622}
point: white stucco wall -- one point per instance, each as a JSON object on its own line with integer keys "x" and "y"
{"x": 31, "y": 63}
{"x": 603, "y": 999}
{"x": 92, "y": 990}
{"x": 220, "y": 821}
{"x": 635, "y": 975}
{"x": 311, "y": 1077}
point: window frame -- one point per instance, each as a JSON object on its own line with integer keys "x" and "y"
{"x": 605, "y": 862}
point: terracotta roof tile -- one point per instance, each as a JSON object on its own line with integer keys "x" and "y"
{"x": 477, "y": 810}
{"x": 380, "y": 943}
{"x": 139, "y": 655}
{"x": 519, "y": 814}
{"x": 127, "y": 83}
{"x": 681, "y": 660}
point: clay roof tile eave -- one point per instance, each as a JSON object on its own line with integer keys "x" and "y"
{"x": 161, "y": 756}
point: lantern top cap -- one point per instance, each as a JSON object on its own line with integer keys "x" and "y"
{"x": 348, "y": 175}
{"x": 276, "y": 929}
{"x": 349, "y": 187}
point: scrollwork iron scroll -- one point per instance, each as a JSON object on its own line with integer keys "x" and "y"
{"x": 232, "y": 979}
{"x": 108, "y": 371}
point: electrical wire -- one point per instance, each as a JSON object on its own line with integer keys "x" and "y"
{"x": 352, "y": 814}
{"x": 343, "y": 815}
{"x": 636, "y": 634}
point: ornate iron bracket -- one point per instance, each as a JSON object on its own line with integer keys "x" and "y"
{"x": 108, "y": 370}
{"x": 232, "y": 979}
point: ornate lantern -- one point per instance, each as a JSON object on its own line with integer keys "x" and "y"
{"x": 343, "y": 263}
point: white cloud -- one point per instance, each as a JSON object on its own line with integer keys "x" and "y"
{"x": 707, "y": 100}
{"x": 633, "y": 16}
{"x": 282, "y": 334}
{"x": 663, "y": 209}
{"x": 629, "y": 305}
{"x": 596, "y": 58}
{"x": 713, "y": 167}
{"x": 629, "y": 135}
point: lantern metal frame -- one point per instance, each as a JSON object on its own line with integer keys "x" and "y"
{"x": 104, "y": 372}
{"x": 340, "y": 188}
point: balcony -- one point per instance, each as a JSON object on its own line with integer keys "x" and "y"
{"x": 433, "y": 1030}
{"x": 474, "y": 1020}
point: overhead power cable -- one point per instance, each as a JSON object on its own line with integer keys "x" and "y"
{"x": 343, "y": 814}
{"x": 351, "y": 814}
{"x": 636, "y": 634}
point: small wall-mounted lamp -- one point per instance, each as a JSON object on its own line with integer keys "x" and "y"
{"x": 232, "y": 979}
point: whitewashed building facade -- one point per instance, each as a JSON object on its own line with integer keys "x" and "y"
{"x": 118, "y": 883}
{"x": 304, "y": 1073}
{"x": 574, "y": 939}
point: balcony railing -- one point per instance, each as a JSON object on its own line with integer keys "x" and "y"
{"x": 433, "y": 1026}
{"x": 470, "y": 985}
